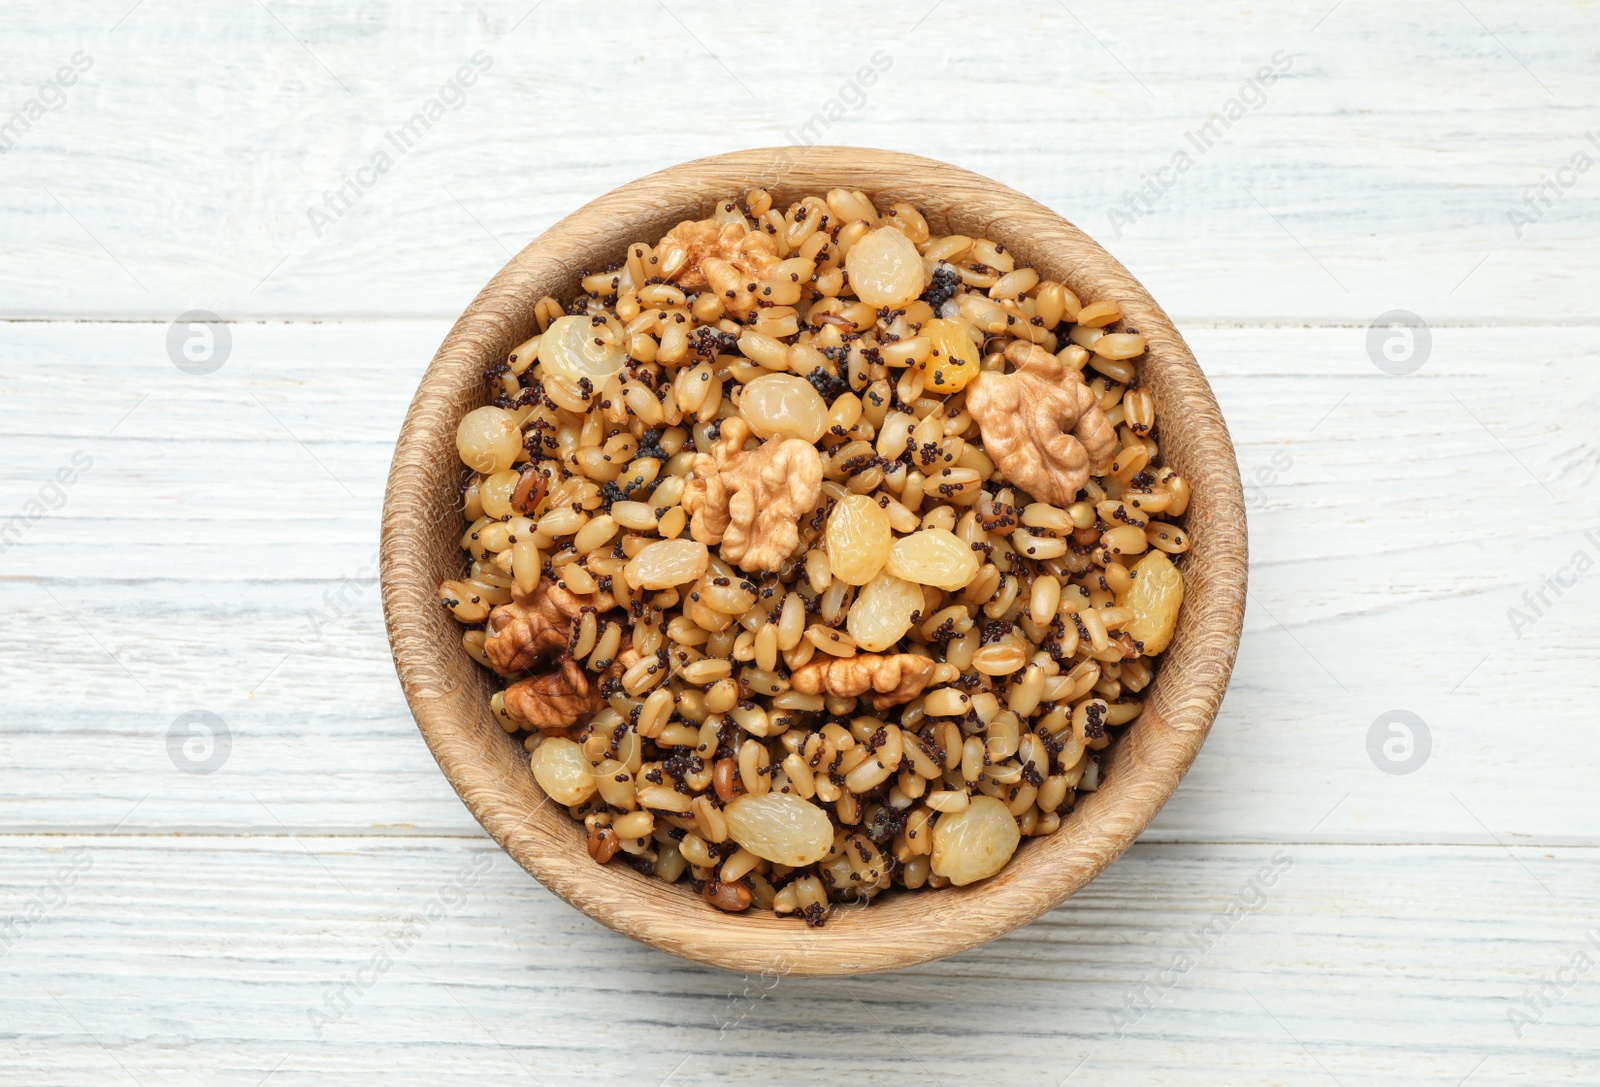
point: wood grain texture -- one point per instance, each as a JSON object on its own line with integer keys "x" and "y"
{"x": 448, "y": 693}
{"x": 1353, "y": 966}
{"x": 1377, "y": 172}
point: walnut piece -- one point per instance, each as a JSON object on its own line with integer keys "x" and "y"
{"x": 532, "y": 632}
{"x": 1041, "y": 425}
{"x": 749, "y": 255}
{"x": 558, "y": 700}
{"x": 537, "y": 626}
{"x": 890, "y": 678}
{"x": 752, "y": 502}
{"x": 553, "y": 701}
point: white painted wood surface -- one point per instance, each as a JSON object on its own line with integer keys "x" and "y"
{"x": 173, "y": 927}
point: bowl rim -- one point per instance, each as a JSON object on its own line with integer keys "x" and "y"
{"x": 447, "y": 692}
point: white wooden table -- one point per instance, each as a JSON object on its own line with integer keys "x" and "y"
{"x": 174, "y": 914}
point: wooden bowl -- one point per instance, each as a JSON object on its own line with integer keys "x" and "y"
{"x": 449, "y": 694}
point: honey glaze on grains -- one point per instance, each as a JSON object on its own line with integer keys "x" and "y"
{"x": 819, "y": 553}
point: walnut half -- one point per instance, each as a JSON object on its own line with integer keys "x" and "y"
{"x": 537, "y": 626}
{"x": 727, "y": 257}
{"x": 889, "y": 678}
{"x": 555, "y": 701}
{"x": 1041, "y": 425}
{"x": 752, "y": 502}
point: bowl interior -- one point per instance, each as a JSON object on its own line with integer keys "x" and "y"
{"x": 449, "y": 694}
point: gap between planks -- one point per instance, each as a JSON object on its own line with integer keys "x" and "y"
{"x": 1181, "y": 320}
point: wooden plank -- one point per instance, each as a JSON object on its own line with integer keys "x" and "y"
{"x": 296, "y": 431}
{"x": 203, "y": 958}
{"x": 83, "y": 731}
{"x": 1377, "y": 170}
{"x": 208, "y": 561}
